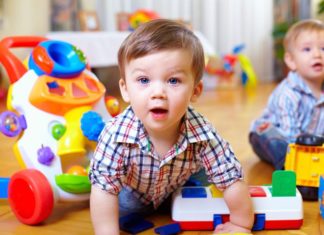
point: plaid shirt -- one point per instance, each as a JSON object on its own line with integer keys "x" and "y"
{"x": 125, "y": 157}
{"x": 293, "y": 109}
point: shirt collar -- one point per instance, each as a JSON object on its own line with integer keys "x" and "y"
{"x": 194, "y": 128}
{"x": 297, "y": 83}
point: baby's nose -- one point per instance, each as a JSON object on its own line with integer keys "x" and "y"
{"x": 318, "y": 52}
{"x": 158, "y": 91}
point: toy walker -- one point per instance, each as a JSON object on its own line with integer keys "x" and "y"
{"x": 48, "y": 95}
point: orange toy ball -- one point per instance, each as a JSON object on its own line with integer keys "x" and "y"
{"x": 112, "y": 105}
{"x": 77, "y": 170}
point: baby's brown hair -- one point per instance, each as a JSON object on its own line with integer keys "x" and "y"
{"x": 162, "y": 34}
{"x": 309, "y": 25}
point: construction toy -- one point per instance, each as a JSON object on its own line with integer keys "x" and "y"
{"x": 321, "y": 196}
{"x": 169, "y": 229}
{"x": 134, "y": 223}
{"x": 306, "y": 158}
{"x": 277, "y": 206}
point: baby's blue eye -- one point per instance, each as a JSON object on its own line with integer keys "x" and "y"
{"x": 143, "y": 80}
{"x": 307, "y": 49}
{"x": 322, "y": 48}
{"x": 173, "y": 81}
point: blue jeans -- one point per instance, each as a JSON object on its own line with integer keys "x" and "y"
{"x": 270, "y": 146}
{"x": 128, "y": 203}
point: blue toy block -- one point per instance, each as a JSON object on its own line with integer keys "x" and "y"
{"x": 169, "y": 229}
{"x": 4, "y": 182}
{"x": 217, "y": 220}
{"x": 196, "y": 192}
{"x": 321, "y": 196}
{"x": 259, "y": 222}
{"x": 134, "y": 223}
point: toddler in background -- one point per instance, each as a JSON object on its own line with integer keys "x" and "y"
{"x": 296, "y": 106}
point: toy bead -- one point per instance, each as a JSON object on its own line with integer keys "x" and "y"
{"x": 58, "y": 131}
{"x": 45, "y": 156}
{"x": 91, "y": 125}
{"x": 112, "y": 105}
{"x": 12, "y": 124}
{"x": 77, "y": 170}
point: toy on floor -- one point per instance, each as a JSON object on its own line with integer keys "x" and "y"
{"x": 277, "y": 206}
{"x": 134, "y": 223}
{"x": 321, "y": 196}
{"x": 4, "y": 182}
{"x": 306, "y": 158}
{"x": 227, "y": 70}
{"x": 169, "y": 229}
{"x": 141, "y": 16}
{"x": 47, "y": 98}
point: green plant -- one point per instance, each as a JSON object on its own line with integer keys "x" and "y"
{"x": 320, "y": 9}
{"x": 278, "y": 33}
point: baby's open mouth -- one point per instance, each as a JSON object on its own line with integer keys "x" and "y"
{"x": 317, "y": 66}
{"x": 159, "y": 111}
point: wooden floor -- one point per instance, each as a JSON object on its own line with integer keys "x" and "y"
{"x": 231, "y": 111}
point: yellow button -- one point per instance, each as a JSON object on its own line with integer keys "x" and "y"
{"x": 215, "y": 192}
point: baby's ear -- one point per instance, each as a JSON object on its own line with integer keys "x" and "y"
{"x": 290, "y": 62}
{"x": 123, "y": 90}
{"x": 197, "y": 92}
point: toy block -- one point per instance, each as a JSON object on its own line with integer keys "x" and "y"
{"x": 321, "y": 196}
{"x": 276, "y": 206}
{"x": 194, "y": 192}
{"x": 259, "y": 222}
{"x": 283, "y": 183}
{"x": 134, "y": 223}
{"x": 217, "y": 220}
{"x": 4, "y": 182}
{"x": 169, "y": 229}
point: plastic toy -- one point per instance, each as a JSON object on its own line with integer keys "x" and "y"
{"x": 225, "y": 69}
{"x": 306, "y": 158}
{"x": 47, "y": 98}
{"x": 168, "y": 229}
{"x": 112, "y": 105}
{"x": 134, "y": 223}
{"x": 277, "y": 206}
{"x": 141, "y": 16}
{"x": 4, "y": 182}
{"x": 321, "y": 196}
{"x": 3, "y": 93}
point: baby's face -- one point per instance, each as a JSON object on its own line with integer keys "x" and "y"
{"x": 308, "y": 55}
{"x": 159, "y": 87}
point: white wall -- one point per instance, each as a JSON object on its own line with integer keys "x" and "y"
{"x": 225, "y": 23}
{"x": 25, "y": 17}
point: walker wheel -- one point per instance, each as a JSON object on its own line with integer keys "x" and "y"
{"x": 30, "y": 196}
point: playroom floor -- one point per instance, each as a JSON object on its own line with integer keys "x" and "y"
{"x": 230, "y": 110}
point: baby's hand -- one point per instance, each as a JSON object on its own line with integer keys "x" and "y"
{"x": 228, "y": 227}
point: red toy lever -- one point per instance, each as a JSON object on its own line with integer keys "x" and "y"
{"x": 12, "y": 64}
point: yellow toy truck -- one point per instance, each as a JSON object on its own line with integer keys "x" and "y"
{"x": 306, "y": 158}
